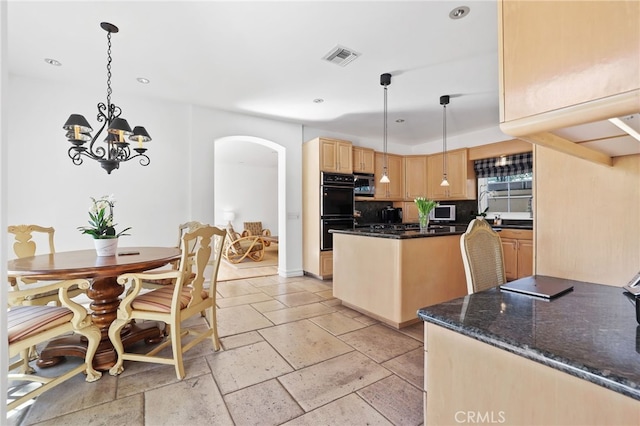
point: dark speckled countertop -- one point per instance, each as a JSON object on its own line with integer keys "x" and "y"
{"x": 590, "y": 333}
{"x": 436, "y": 231}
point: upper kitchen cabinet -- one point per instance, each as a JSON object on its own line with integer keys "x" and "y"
{"x": 394, "y": 190}
{"x": 335, "y": 155}
{"x": 363, "y": 160}
{"x": 415, "y": 176}
{"x": 565, "y": 64}
{"x": 460, "y": 174}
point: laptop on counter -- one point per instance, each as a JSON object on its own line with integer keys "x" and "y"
{"x": 540, "y": 286}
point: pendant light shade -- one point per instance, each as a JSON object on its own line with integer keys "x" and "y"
{"x": 385, "y": 80}
{"x": 444, "y": 101}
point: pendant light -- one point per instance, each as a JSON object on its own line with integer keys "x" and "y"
{"x": 385, "y": 80}
{"x": 444, "y": 101}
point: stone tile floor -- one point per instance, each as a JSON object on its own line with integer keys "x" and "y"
{"x": 292, "y": 354}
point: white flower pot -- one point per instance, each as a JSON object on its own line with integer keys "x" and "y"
{"x": 106, "y": 246}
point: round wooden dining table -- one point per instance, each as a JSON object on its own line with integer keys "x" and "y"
{"x": 104, "y": 292}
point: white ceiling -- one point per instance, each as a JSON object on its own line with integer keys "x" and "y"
{"x": 264, "y": 58}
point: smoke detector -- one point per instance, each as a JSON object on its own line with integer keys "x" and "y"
{"x": 341, "y": 55}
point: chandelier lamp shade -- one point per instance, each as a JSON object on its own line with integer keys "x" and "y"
{"x": 119, "y": 134}
{"x": 385, "y": 80}
{"x": 444, "y": 101}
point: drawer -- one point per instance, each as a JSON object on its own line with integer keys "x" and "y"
{"x": 516, "y": 234}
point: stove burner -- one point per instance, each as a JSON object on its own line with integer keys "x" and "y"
{"x": 394, "y": 226}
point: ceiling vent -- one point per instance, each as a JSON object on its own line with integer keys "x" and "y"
{"x": 341, "y": 55}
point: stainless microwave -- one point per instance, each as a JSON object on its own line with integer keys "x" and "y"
{"x": 364, "y": 184}
{"x": 445, "y": 213}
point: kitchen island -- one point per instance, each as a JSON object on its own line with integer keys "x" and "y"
{"x": 509, "y": 358}
{"x": 390, "y": 274}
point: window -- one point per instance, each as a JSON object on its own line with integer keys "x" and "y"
{"x": 505, "y": 186}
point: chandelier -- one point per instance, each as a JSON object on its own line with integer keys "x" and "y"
{"x": 117, "y": 148}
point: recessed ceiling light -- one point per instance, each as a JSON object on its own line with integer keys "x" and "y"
{"x": 318, "y": 101}
{"x": 52, "y": 62}
{"x": 143, "y": 80}
{"x": 459, "y": 12}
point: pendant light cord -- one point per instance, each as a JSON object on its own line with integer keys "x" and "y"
{"x": 385, "y": 129}
{"x": 444, "y": 140}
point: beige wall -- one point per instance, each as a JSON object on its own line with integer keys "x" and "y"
{"x": 587, "y": 218}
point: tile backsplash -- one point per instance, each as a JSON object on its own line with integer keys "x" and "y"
{"x": 465, "y": 210}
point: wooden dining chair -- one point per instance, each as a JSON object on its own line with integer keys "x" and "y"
{"x": 173, "y": 304}
{"x": 25, "y": 245}
{"x": 28, "y": 326}
{"x": 482, "y": 256}
{"x": 182, "y": 229}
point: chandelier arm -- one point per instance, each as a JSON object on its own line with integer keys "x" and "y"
{"x": 75, "y": 153}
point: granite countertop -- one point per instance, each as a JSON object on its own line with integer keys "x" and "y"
{"x": 590, "y": 333}
{"x": 436, "y": 231}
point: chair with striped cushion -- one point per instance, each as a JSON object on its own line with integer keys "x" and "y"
{"x": 31, "y": 325}
{"x": 182, "y": 229}
{"x": 482, "y": 256}
{"x": 29, "y": 240}
{"x": 173, "y": 304}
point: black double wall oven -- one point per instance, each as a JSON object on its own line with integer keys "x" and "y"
{"x": 336, "y": 206}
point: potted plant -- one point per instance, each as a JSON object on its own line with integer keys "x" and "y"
{"x": 425, "y": 206}
{"x": 483, "y": 214}
{"x": 102, "y": 228}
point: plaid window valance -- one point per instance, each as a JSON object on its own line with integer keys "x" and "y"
{"x": 504, "y": 166}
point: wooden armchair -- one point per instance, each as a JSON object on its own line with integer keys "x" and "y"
{"x": 255, "y": 228}
{"x": 25, "y": 246}
{"x": 28, "y": 326}
{"x": 173, "y": 304}
{"x": 237, "y": 248}
{"x": 482, "y": 256}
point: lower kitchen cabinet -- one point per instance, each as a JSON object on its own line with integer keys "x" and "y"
{"x": 326, "y": 264}
{"x": 517, "y": 248}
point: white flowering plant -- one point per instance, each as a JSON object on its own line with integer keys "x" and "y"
{"x": 425, "y": 205}
{"x": 101, "y": 219}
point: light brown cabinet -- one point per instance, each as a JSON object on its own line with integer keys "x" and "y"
{"x": 319, "y": 155}
{"x": 363, "y": 160}
{"x": 410, "y": 212}
{"x": 460, "y": 174}
{"x": 326, "y": 263}
{"x": 517, "y": 248}
{"x": 415, "y": 176}
{"x": 583, "y": 67}
{"x": 394, "y": 190}
{"x": 335, "y": 156}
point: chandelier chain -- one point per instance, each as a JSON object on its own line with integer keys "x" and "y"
{"x": 109, "y": 91}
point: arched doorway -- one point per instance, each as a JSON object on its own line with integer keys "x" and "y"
{"x": 253, "y": 169}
